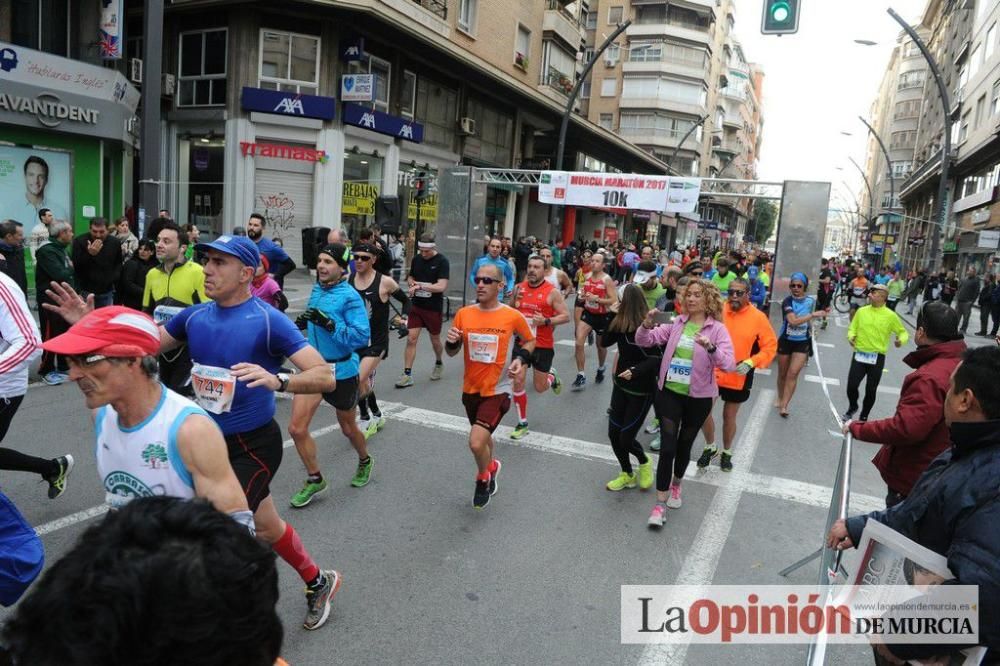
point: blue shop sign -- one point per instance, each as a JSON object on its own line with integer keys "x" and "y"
{"x": 352, "y": 49}
{"x": 288, "y": 103}
{"x": 383, "y": 123}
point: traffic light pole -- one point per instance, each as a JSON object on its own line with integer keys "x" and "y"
{"x": 942, "y": 208}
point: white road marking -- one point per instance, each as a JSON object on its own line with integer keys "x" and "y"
{"x": 816, "y": 379}
{"x": 842, "y": 321}
{"x": 706, "y": 548}
{"x": 826, "y": 344}
{"x": 71, "y": 519}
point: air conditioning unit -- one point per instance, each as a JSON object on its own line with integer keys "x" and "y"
{"x": 135, "y": 70}
{"x": 467, "y": 126}
{"x": 610, "y": 61}
{"x": 168, "y": 85}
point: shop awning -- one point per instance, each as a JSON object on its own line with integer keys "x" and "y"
{"x": 612, "y": 211}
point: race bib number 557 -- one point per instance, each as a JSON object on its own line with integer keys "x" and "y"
{"x": 214, "y": 388}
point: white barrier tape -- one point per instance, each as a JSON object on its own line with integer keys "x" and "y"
{"x": 823, "y": 381}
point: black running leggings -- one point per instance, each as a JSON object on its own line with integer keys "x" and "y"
{"x": 628, "y": 413}
{"x": 16, "y": 461}
{"x": 872, "y": 374}
{"x": 681, "y": 418}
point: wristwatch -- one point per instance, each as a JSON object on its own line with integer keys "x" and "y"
{"x": 284, "y": 378}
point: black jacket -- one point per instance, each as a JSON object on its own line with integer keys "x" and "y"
{"x": 133, "y": 281}
{"x": 97, "y": 274}
{"x": 13, "y": 265}
{"x": 954, "y": 510}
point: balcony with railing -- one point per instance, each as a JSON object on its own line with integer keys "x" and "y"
{"x": 558, "y": 81}
{"x": 660, "y": 137}
{"x": 439, "y": 7}
{"x": 560, "y": 22}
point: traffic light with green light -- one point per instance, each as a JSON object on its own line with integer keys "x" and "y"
{"x": 781, "y": 17}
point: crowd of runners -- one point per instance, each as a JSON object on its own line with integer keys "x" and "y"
{"x": 199, "y": 365}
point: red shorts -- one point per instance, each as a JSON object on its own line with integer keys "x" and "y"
{"x": 486, "y": 411}
{"x": 421, "y": 318}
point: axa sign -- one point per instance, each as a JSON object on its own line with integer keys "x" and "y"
{"x": 383, "y": 123}
{"x": 288, "y": 103}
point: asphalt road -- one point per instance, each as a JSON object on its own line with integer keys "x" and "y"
{"x": 535, "y": 578}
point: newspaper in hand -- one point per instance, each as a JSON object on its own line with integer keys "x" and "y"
{"x": 893, "y": 569}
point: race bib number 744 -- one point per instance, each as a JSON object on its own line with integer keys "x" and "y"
{"x": 214, "y": 388}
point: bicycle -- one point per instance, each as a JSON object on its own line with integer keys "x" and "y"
{"x": 842, "y": 298}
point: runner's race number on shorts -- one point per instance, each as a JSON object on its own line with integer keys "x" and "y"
{"x": 214, "y": 388}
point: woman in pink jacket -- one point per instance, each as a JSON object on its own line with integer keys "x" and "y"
{"x": 696, "y": 344}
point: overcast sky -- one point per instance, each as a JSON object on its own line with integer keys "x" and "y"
{"x": 818, "y": 81}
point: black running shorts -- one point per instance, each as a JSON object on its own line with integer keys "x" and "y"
{"x": 255, "y": 457}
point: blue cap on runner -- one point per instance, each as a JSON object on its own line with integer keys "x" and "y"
{"x": 240, "y": 247}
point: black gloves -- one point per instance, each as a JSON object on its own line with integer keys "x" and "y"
{"x": 315, "y": 316}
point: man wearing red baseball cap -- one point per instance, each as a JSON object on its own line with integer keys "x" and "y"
{"x": 147, "y": 436}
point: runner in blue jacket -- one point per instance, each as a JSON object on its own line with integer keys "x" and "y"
{"x": 492, "y": 256}
{"x": 336, "y": 323}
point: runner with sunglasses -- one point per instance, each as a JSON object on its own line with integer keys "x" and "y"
{"x": 754, "y": 347}
{"x": 376, "y": 289}
{"x": 486, "y": 330}
{"x": 237, "y": 344}
{"x": 544, "y": 307}
{"x": 795, "y": 340}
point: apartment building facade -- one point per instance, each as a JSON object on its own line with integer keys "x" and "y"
{"x": 677, "y": 85}
{"x": 894, "y": 116}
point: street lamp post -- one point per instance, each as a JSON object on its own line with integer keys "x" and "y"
{"x": 555, "y": 226}
{"x": 696, "y": 125}
{"x": 888, "y": 163}
{"x": 942, "y": 208}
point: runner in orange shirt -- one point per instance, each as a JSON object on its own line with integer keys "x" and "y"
{"x": 486, "y": 330}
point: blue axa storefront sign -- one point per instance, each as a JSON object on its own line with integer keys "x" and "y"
{"x": 289, "y": 103}
{"x": 383, "y": 123}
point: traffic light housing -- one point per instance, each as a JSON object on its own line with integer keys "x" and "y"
{"x": 420, "y": 186}
{"x": 781, "y": 17}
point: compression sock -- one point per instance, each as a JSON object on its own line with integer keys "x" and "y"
{"x": 407, "y": 371}
{"x": 521, "y": 402}
{"x": 291, "y": 549}
{"x": 373, "y": 405}
{"x": 315, "y": 478}
{"x": 363, "y": 409}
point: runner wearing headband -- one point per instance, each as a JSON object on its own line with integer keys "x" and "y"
{"x": 427, "y": 282}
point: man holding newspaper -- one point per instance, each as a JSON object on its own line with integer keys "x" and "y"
{"x": 954, "y": 508}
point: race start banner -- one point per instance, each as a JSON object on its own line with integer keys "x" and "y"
{"x": 618, "y": 190}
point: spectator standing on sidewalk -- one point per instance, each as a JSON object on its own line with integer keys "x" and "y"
{"x": 949, "y": 287}
{"x": 97, "y": 262}
{"x": 995, "y": 309}
{"x": 968, "y": 292}
{"x": 916, "y": 434}
{"x": 12, "y": 253}
{"x": 913, "y": 289}
{"x": 984, "y": 302}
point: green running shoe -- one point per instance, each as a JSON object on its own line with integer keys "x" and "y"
{"x": 622, "y": 481}
{"x": 371, "y": 429}
{"x": 379, "y": 422}
{"x": 709, "y": 454}
{"x": 305, "y": 496}
{"x": 364, "y": 473}
{"x": 556, "y": 382}
{"x": 520, "y": 430}
{"x": 645, "y": 475}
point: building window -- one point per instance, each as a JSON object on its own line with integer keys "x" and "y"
{"x": 658, "y": 125}
{"x": 980, "y": 107}
{"x": 289, "y": 61}
{"x": 913, "y": 79}
{"x": 665, "y": 89}
{"x": 901, "y": 169}
{"x": 903, "y": 140}
{"x": 42, "y": 24}
{"x": 408, "y": 95}
{"x": 382, "y": 70}
{"x": 995, "y": 100}
{"x": 609, "y": 87}
{"x": 615, "y": 14}
{"x": 202, "y": 68}
{"x": 607, "y": 121}
{"x": 907, "y": 109}
{"x": 585, "y": 89}
{"x": 591, "y": 20}
{"x": 991, "y": 41}
{"x": 963, "y": 132}
{"x": 522, "y": 46}
{"x": 437, "y": 109}
{"x": 467, "y": 15}
{"x": 612, "y": 53}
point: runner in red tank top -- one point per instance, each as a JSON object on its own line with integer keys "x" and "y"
{"x": 545, "y": 308}
{"x": 599, "y": 294}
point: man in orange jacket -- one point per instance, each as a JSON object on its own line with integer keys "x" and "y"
{"x": 755, "y": 343}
